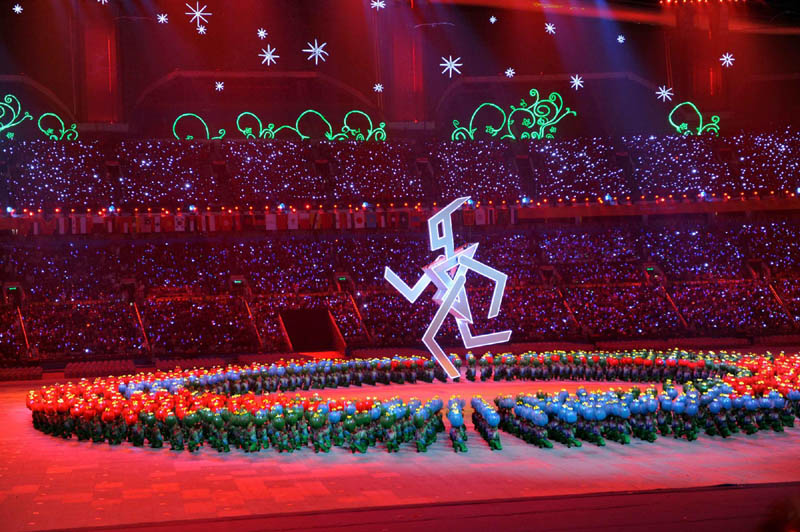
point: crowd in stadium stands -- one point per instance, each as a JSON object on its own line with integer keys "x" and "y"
{"x": 789, "y": 292}
{"x": 480, "y": 169}
{"x": 600, "y": 272}
{"x": 532, "y": 313}
{"x": 83, "y": 329}
{"x": 696, "y": 253}
{"x": 385, "y": 172}
{"x": 777, "y": 245}
{"x": 48, "y": 174}
{"x": 623, "y": 311}
{"x": 610, "y": 245}
{"x": 731, "y": 308}
{"x": 10, "y": 337}
{"x": 275, "y": 171}
{"x": 577, "y": 168}
{"x": 75, "y": 305}
{"x": 383, "y": 312}
{"x": 198, "y": 326}
{"x": 671, "y": 165}
{"x": 765, "y": 160}
{"x": 156, "y": 173}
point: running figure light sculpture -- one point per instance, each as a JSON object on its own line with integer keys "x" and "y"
{"x": 451, "y": 295}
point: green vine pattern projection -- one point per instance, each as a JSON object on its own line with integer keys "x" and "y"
{"x": 220, "y": 133}
{"x": 63, "y": 133}
{"x": 712, "y": 127}
{"x": 538, "y": 119}
{"x": 347, "y": 131}
{"x": 11, "y": 114}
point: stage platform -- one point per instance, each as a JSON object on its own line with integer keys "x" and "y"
{"x": 48, "y": 483}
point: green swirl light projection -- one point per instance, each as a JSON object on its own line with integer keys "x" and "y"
{"x": 251, "y": 126}
{"x": 62, "y": 133}
{"x": 220, "y": 133}
{"x": 11, "y": 114}
{"x": 347, "y": 131}
{"x": 534, "y": 120}
{"x": 712, "y": 127}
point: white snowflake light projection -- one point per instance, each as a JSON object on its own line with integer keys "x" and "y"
{"x": 550, "y": 28}
{"x": 576, "y": 82}
{"x": 727, "y": 60}
{"x": 262, "y": 33}
{"x": 664, "y": 94}
{"x": 377, "y": 4}
{"x": 163, "y": 18}
{"x": 201, "y": 30}
{"x": 198, "y": 14}
{"x": 219, "y": 86}
{"x": 620, "y": 38}
{"x": 492, "y": 19}
{"x": 268, "y": 56}
{"x": 378, "y": 87}
{"x": 17, "y": 9}
{"x": 316, "y": 51}
{"x": 510, "y": 72}
{"x": 104, "y": 2}
{"x": 448, "y": 273}
{"x": 450, "y": 65}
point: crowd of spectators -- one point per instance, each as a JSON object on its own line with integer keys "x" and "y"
{"x": 75, "y": 296}
{"x": 766, "y": 161}
{"x": 600, "y": 272}
{"x": 696, "y": 252}
{"x": 159, "y": 172}
{"x": 83, "y": 330}
{"x": 392, "y": 321}
{"x": 789, "y": 292}
{"x": 623, "y": 311}
{"x": 730, "y": 308}
{"x": 196, "y": 326}
{"x": 577, "y": 169}
{"x": 378, "y": 172}
{"x": 49, "y": 174}
{"x": 531, "y": 313}
{"x": 480, "y": 169}
{"x": 156, "y": 173}
{"x": 777, "y": 243}
{"x": 675, "y": 164}
{"x": 602, "y": 245}
{"x": 263, "y": 173}
{"x": 10, "y": 336}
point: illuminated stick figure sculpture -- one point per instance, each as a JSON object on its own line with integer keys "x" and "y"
{"x": 451, "y": 295}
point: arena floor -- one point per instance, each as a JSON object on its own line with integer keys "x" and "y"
{"x": 48, "y": 483}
